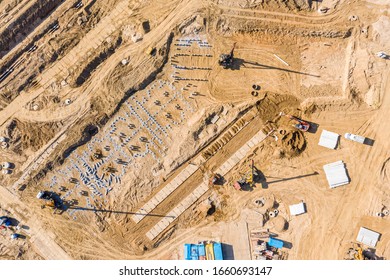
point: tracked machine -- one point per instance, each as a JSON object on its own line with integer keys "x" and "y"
{"x": 50, "y": 200}
{"x": 226, "y": 60}
{"x": 298, "y": 123}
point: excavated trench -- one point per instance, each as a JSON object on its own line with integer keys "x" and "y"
{"x": 102, "y": 54}
{"x": 26, "y": 22}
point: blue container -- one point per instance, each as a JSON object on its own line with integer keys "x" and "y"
{"x": 201, "y": 250}
{"x": 218, "y": 251}
{"x": 194, "y": 252}
{"x": 187, "y": 251}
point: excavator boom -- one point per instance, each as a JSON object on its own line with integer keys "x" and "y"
{"x": 232, "y": 51}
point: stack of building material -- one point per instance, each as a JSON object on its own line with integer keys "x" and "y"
{"x": 329, "y": 139}
{"x": 297, "y": 209}
{"x": 368, "y": 237}
{"x": 336, "y": 174}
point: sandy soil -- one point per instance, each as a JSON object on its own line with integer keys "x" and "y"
{"x": 106, "y": 104}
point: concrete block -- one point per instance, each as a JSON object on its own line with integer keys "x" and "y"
{"x": 181, "y": 208}
{"x": 250, "y": 143}
{"x": 159, "y": 198}
{"x": 153, "y": 232}
{"x": 153, "y": 202}
{"x": 176, "y": 182}
{"x": 148, "y": 207}
{"x": 204, "y": 188}
{"x": 245, "y": 149}
{"x": 191, "y": 199}
{"x": 192, "y": 168}
{"x": 196, "y": 192}
{"x": 165, "y": 222}
{"x": 159, "y": 227}
{"x": 150, "y": 235}
{"x": 240, "y": 154}
{"x": 236, "y": 159}
{"x": 175, "y": 212}
{"x": 163, "y": 193}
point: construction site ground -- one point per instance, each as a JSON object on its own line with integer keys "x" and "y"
{"x": 121, "y": 110}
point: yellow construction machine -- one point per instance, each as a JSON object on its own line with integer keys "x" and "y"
{"x": 248, "y": 178}
{"x": 355, "y": 252}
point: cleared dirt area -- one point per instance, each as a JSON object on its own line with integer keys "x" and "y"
{"x": 121, "y": 110}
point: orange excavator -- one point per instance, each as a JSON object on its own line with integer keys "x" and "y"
{"x": 298, "y": 123}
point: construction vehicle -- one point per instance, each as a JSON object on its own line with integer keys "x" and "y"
{"x": 5, "y": 221}
{"x": 299, "y": 124}
{"x": 226, "y": 60}
{"x": 356, "y": 138}
{"x": 247, "y": 179}
{"x": 215, "y": 179}
{"x": 359, "y": 254}
{"x": 150, "y": 51}
{"x": 383, "y": 55}
{"x": 50, "y": 200}
{"x": 15, "y": 235}
{"x": 355, "y": 252}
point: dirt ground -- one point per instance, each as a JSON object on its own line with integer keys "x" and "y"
{"x": 121, "y": 110}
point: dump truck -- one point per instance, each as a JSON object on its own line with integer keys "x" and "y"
{"x": 356, "y": 138}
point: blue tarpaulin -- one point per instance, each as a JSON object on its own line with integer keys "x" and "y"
{"x": 275, "y": 243}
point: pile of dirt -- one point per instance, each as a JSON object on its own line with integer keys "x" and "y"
{"x": 273, "y": 103}
{"x": 286, "y": 5}
{"x": 278, "y": 224}
{"x": 226, "y": 24}
{"x": 192, "y": 25}
{"x": 30, "y": 136}
{"x": 292, "y": 143}
{"x": 289, "y": 5}
{"x": 385, "y": 170}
